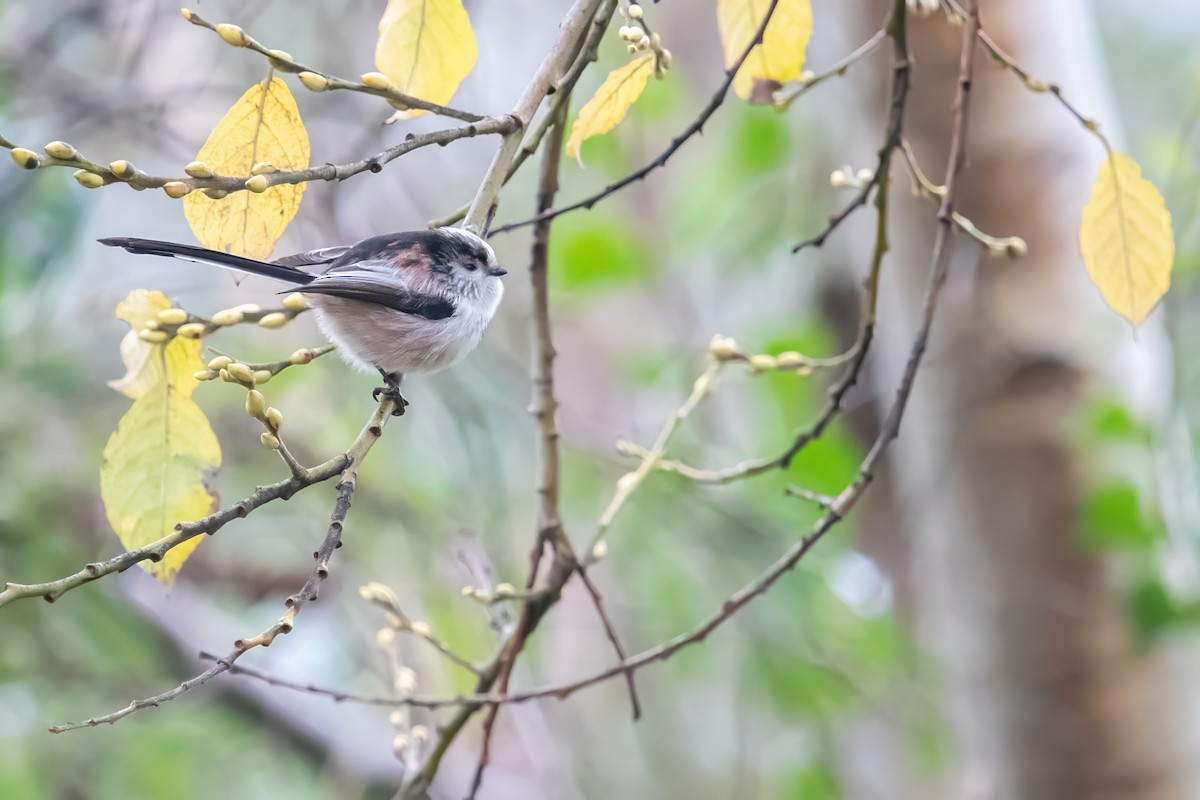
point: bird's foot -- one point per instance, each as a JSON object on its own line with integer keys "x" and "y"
{"x": 391, "y": 390}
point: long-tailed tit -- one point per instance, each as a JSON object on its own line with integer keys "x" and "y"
{"x": 415, "y": 301}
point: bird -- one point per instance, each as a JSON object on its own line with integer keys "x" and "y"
{"x": 412, "y": 301}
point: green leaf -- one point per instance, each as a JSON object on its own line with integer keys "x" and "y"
{"x": 157, "y": 462}
{"x": 1112, "y": 518}
{"x": 593, "y": 253}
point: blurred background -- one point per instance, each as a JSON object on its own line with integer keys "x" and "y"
{"x": 1011, "y": 613}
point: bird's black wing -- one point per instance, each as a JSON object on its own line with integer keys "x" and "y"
{"x": 382, "y": 288}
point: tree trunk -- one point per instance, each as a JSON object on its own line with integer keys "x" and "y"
{"x": 1044, "y": 694}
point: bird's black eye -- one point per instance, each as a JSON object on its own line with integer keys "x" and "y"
{"x": 470, "y": 266}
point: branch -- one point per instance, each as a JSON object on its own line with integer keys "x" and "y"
{"x": 333, "y": 540}
{"x": 691, "y": 130}
{"x": 184, "y": 531}
{"x": 791, "y": 92}
{"x": 221, "y": 185}
{"x": 564, "y": 88}
{"x": 285, "y": 63}
{"x": 569, "y": 44}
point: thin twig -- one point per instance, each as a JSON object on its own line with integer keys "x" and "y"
{"x": 287, "y": 64}
{"x": 333, "y": 540}
{"x": 791, "y": 92}
{"x": 691, "y": 130}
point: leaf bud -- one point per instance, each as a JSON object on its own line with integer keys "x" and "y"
{"x": 203, "y": 375}
{"x": 171, "y": 316}
{"x": 215, "y": 194}
{"x": 376, "y": 80}
{"x": 153, "y": 337}
{"x": 198, "y": 169}
{"x": 282, "y": 60}
{"x": 762, "y": 362}
{"x": 258, "y": 184}
{"x": 232, "y": 34}
{"x": 635, "y": 11}
{"x": 631, "y": 48}
{"x": 599, "y": 550}
{"x": 385, "y": 638}
{"x": 314, "y": 82}
{"x": 175, "y": 189}
{"x": 302, "y": 356}
{"x": 656, "y": 40}
{"x": 295, "y": 302}
{"x": 275, "y": 319}
{"x": 61, "y": 151}
{"x": 122, "y": 169}
{"x": 504, "y": 590}
{"x": 187, "y": 13}
{"x": 88, "y": 180}
{"x": 191, "y": 330}
{"x": 838, "y": 179}
{"x": 240, "y": 372}
{"x": 229, "y": 316}
{"x": 627, "y": 481}
{"x": 665, "y": 59}
{"x": 722, "y": 348}
{"x": 261, "y": 376}
{"x": 225, "y": 376}
{"x": 806, "y": 77}
{"x": 644, "y": 42}
{"x": 248, "y": 308}
{"x": 263, "y": 168}
{"x": 791, "y": 359}
{"x": 220, "y": 362}
{"x": 627, "y": 33}
{"x": 399, "y": 745}
{"x": 256, "y": 404}
{"x": 269, "y": 440}
{"x": 420, "y": 628}
{"x": 274, "y": 418}
{"x": 1016, "y": 247}
{"x": 865, "y": 175}
{"x": 25, "y": 159}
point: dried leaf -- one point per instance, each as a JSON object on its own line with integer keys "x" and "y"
{"x": 612, "y": 101}
{"x": 264, "y": 125}
{"x": 780, "y": 57}
{"x": 157, "y": 462}
{"x": 425, "y": 48}
{"x": 1126, "y": 239}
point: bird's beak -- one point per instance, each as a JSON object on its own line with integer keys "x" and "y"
{"x": 497, "y": 271}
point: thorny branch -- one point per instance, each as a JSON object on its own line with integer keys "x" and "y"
{"x": 333, "y": 539}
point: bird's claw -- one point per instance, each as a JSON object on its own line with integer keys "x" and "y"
{"x": 391, "y": 390}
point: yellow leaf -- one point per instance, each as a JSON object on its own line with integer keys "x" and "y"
{"x": 425, "y": 48}
{"x": 1126, "y": 239}
{"x": 780, "y": 57}
{"x": 141, "y": 371}
{"x": 264, "y": 125}
{"x": 156, "y": 463}
{"x": 611, "y": 102}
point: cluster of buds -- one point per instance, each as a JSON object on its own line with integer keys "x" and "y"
{"x": 171, "y": 322}
{"x": 503, "y": 591}
{"x": 789, "y": 360}
{"x": 724, "y": 348}
{"x": 639, "y": 38}
{"x": 848, "y": 176}
{"x": 257, "y": 408}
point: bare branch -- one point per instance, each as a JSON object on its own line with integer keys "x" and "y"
{"x": 333, "y": 540}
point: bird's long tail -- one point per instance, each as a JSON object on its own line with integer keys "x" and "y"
{"x": 189, "y": 252}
